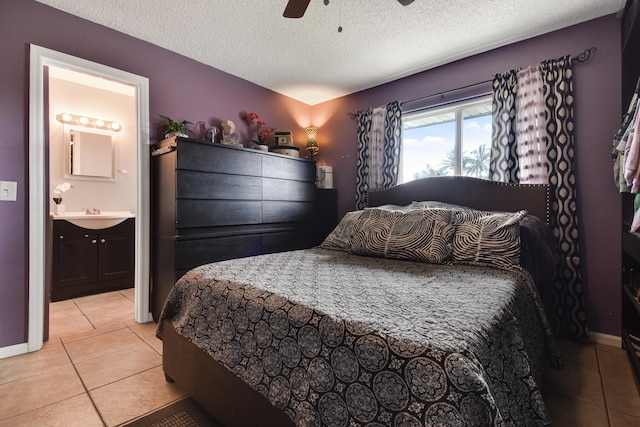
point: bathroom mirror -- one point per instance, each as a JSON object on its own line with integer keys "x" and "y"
{"x": 89, "y": 155}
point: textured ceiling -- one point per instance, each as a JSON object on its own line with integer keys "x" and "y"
{"x": 308, "y": 59}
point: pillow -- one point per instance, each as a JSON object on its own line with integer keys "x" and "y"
{"x": 417, "y": 235}
{"x": 487, "y": 238}
{"x": 430, "y": 204}
{"x": 340, "y": 238}
{"x": 393, "y": 207}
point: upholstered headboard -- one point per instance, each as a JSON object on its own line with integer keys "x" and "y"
{"x": 466, "y": 191}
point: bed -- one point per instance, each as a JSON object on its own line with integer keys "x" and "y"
{"x": 378, "y": 326}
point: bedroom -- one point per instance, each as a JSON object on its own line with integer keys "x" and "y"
{"x": 598, "y": 113}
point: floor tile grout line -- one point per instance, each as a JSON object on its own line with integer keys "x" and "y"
{"x": 31, "y": 375}
{"x": 35, "y": 375}
{"x": 85, "y": 315}
{"x": 84, "y": 386}
{"x": 73, "y": 363}
{"x": 129, "y": 299}
{"x": 604, "y": 394}
{"x": 144, "y": 340}
{"x": 108, "y": 352}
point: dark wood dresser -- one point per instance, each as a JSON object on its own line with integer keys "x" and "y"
{"x": 213, "y": 202}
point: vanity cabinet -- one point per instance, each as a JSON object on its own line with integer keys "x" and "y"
{"x": 213, "y": 202}
{"x": 88, "y": 261}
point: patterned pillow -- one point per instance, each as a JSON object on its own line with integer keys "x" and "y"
{"x": 340, "y": 238}
{"x": 418, "y": 235}
{"x": 394, "y": 207}
{"x": 487, "y": 238}
{"x": 431, "y": 204}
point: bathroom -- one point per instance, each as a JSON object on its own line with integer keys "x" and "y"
{"x": 84, "y": 95}
{"x": 94, "y": 120}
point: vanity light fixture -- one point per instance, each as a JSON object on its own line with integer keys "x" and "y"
{"x": 72, "y": 119}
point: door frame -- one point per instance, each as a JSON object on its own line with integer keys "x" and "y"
{"x": 39, "y": 58}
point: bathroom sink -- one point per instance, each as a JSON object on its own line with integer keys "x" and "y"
{"x": 104, "y": 219}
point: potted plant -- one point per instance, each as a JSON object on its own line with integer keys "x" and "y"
{"x": 173, "y": 128}
{"x": 58, "y": 208}
{"x": 260, "y": 130}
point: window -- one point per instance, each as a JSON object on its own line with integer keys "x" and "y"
{"x": 452, "y": 140}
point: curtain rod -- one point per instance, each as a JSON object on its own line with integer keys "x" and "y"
{"x": 582, "y": 58}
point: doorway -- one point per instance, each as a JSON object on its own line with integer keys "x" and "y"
{"x": 38, "y": 191}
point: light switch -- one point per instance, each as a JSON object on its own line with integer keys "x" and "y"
{"x": 8, "y": 190}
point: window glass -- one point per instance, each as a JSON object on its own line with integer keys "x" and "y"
{"x": 452, "y": 140}
{"x": 476, "y": 144}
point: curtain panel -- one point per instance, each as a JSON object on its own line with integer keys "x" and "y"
{"x": 503, "y": 163}
{"x": 379, "y": 138}
{"x": 540, "y": 148}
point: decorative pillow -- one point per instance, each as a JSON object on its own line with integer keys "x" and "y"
{"x": 430, "y": 204}
{"x": 340, "y": 238}
{"x": 418, "y": 235}
{"x": 394, "y": 207}
{"x": 487, "y": 238}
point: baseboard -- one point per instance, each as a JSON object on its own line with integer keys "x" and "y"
{"x": 605, "y": 339}
{"x": 13, "y": 350}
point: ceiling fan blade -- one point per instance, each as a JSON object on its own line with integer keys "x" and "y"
{"x": 405, "y": 2}
{"x": 296, "y": 8}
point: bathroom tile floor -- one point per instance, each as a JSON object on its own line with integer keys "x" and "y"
{"x": 100, "y": 368}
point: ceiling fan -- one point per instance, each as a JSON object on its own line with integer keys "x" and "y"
{"x": 296, "y": 8}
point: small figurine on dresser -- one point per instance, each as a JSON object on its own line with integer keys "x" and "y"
{"x": 229, "y": 135}
{"x": 203, "y": 131}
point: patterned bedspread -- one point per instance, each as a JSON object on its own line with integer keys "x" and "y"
{"x": 343, "y": 340}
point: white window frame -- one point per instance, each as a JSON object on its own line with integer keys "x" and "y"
{"x": 456, "y": 107}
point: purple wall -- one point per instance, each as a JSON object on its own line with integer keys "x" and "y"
{"x": 185, "y": 89}
{"x": 597, "y": 88}
{"x": 179, "y": 87}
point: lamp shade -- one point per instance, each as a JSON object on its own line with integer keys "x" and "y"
{"x": 312, "y": 144}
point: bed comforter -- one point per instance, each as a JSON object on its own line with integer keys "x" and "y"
{"x": 338, "y": 339}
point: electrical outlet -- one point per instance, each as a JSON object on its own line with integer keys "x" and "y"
{"x": 8, "y": 190}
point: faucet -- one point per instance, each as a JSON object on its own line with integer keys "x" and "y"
{"x": 94, "y": 211}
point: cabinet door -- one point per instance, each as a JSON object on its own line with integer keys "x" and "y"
{"x": 116, "y": 259}
{"x": 74, "y": 260}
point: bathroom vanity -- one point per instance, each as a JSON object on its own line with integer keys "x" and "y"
{"x": 92, "y": 254}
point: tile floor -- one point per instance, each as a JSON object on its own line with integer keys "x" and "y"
{"x": 100, "y": 368}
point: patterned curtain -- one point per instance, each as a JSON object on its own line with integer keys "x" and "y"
{"x": 532, "y": 144}
{"x": 379, "y": 136}
{"x": 553, "y": 135}
{"x": 503, "y": 163}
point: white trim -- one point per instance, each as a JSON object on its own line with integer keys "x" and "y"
{"x": 40, "y": 57}
{"x": 605, "y": 339}
{"x": 13, "y": 350}
{"x": 36, "y": 201}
